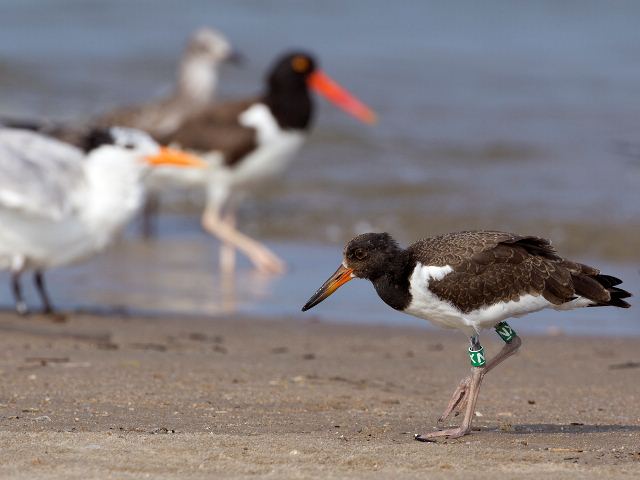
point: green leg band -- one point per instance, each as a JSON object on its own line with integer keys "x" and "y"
{"x": 476, "y": 355}
{"x": 505, "y": 331}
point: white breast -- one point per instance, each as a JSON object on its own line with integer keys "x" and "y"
{"x": 424, "y": 304}
{"x": 276, "y": 147}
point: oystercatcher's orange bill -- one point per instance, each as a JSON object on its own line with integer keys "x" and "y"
{"x": 341, "y": 276}
{"x": 175, "y": 158}
{"x": 325, "y": 85}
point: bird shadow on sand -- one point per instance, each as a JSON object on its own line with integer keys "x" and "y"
{"x": 572, "y": 429}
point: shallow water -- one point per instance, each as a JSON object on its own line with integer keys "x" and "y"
{"x": 509, "y": 115}
{"x": 177, "y": 274}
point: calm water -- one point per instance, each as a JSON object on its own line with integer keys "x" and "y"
{"x": 510, "y": 115}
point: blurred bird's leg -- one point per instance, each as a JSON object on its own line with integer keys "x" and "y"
{"x": 21, "y": 306}
{"x": 38, "y": 278}
{"x": 150, "y": 214}
{"x": 228, "y": 250}
{"x": 261, "y": 257}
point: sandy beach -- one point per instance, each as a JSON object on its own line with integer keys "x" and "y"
{"x": 130, "y": 397}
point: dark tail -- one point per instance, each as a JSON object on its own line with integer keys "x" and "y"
{"x": 602, "y": 289}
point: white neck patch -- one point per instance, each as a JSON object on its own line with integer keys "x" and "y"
{"x": 259, "y": 116}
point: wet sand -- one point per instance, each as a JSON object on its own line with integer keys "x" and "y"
{"x": 129, "y": 397}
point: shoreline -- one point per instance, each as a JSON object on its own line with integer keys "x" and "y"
{"x": 242, "y": 397}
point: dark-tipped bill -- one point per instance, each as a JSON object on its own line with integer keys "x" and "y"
{"x": 322, "y": 83}
{"x": 339, "y": 278}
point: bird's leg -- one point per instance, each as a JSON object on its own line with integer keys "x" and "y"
{"x": 150, "y": 214}
{"x": 228, "y": 250}
{"x": 512, "y": 344}
{"x": 38, "y": 278}
{"x": 263, "y": 258}
{"x": 476, "y": 354}
{"x": 21, "y": 306}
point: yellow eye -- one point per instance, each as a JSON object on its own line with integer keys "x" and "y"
{"x": 300, "y": 64}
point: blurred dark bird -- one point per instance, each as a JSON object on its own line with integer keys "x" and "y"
{"x": 59, "y": 204}
{"x": 197, "y": 81}
{"x": 248, "y": 141}
{"x": 471, "y": 281}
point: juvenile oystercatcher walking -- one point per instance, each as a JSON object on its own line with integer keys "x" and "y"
{"x": 471, "y": 281}
{"x": 60, "y": 203}
{"x": 252, "y": 140}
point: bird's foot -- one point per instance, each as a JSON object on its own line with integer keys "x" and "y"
{"x": 449, "y": 433}
{"x": 266, "y": 261}
{"x": 458, "y": 400}
{"x": 21, "y": 308}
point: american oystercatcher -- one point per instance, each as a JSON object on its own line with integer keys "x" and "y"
{"x": 249, "y": 141}
{"x": 59, "y": 204}
{"x": 471, "y": 281}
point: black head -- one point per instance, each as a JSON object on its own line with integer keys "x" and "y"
{"x": 132, "y": 144}
{"x": 288, "y": 96}
{"x": 96, "y": 138}
{"x": 120, "y": 137}
{"x": 291, "y": 70}
{"x": 370, "y": 255}
{"x": 288, "y": 90}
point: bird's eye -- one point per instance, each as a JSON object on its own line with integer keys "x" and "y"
{"x": 129, "y": 146}
{"x": 300, "y": 64}
{"x": 360, "y": 254}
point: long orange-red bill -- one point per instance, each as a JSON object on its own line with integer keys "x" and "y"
{"x": 176, "y": 158}
{"x": 322, "y": 83}
{"x": 341, "y": 276}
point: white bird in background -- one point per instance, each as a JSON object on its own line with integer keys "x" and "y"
{"x": 193, "y": 93}
{"x": 195, "y": 89}
{"x": 59, "y": 204}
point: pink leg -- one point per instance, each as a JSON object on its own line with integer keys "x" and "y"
{"x": 467, "y": 392}
{"x": 477, "y": 373}
{"x": 263, "y": 258}
{"x": 228, "y": 250}
{"x": 459, "y": 397}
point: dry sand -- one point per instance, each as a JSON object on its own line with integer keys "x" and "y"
{"x": 125, "y": 397}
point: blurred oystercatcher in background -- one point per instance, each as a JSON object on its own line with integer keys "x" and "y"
{"x": 249, "y": 141}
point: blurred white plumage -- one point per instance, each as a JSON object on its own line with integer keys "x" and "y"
{"x": 59, "y": 204}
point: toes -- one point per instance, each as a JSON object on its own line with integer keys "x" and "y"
{"x": 267, "y": 262}
{"x": 448, "y": 434}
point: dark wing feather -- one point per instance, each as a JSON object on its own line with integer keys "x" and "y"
{"x": 217, "y": 129}
{"x": 490, "y": 267}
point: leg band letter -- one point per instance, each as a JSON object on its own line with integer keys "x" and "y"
{"x": 505, "y": 331}
{"x": 476, "y": 355}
